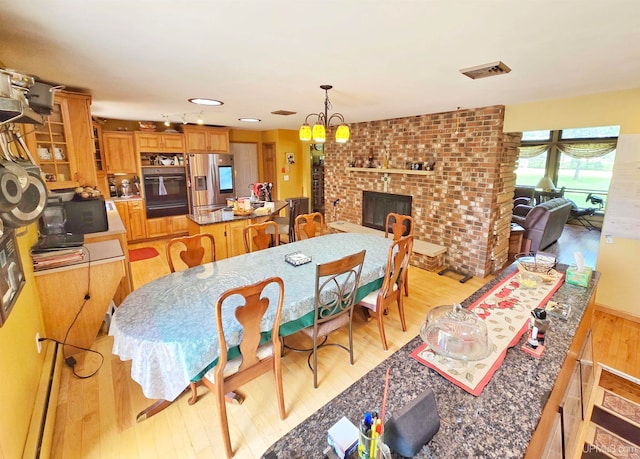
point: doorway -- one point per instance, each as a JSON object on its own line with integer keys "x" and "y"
{"x": 269, "y": 167}
{"x": 245, "y": 159}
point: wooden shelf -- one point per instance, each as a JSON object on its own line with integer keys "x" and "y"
{"x": 389, "y": 171}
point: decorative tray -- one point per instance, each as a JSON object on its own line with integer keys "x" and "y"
{"x": 297, "y": 258}
{"x": 242, "y": 213}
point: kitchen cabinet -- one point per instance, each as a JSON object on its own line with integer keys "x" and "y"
{"x": 565, "y": 400}
{"x": 166, "y": 226}
{"x": 133, "y": 217}
{"x": 203, "y": 139}
{"x": 157, "y": 227}
{"x": 63, "y": 146}
{"x": 227, "y": 236}
{"x": 100, "y": 165}
{"x": 179, "y": 224}
{"x": 99, "y": 151}
{"x": 159, "y": 142}
{"x": 63, "y": 296}
{"x": 119, "y": 152}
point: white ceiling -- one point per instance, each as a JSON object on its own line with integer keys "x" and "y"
{"x": 385, "y": 58}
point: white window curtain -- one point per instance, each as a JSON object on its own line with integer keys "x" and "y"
{"x": 531, "y": 151}
{"x": 587, "y": 150}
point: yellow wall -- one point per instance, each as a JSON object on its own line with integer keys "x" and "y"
{"x": 20, "y": 363}
{"x": 286, "y": 141}
{"x": 618, "y": 288}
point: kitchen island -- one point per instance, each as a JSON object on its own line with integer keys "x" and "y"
{"x": 516, "y": 414}
{"x": 227, "y": 228}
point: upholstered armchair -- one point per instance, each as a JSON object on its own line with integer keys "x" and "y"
{"x": 544, "y": 222}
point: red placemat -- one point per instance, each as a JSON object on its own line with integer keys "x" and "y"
{"x": 506, "y": 310}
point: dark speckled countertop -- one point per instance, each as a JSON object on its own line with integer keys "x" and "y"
{"x": 221, "y": 214}
{"x": 497, "y": 424}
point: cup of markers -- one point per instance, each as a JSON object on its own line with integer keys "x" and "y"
{"x": 370, "y": 436}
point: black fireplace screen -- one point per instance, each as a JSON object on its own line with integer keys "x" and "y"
{"x": 376, "y": 206}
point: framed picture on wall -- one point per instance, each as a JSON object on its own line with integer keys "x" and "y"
{"x": 11, "y": 275}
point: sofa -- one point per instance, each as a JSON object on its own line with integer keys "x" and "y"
{"x": 543, "y": 223}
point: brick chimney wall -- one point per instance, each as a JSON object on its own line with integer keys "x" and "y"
{"x": 465, "y": 205}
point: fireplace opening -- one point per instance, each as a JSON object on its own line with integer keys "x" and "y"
{"x": 376, "y": 206}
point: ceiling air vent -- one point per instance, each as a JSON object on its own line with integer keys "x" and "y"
{"x": 283, "y": 112}
{"x": 486, "y": 70}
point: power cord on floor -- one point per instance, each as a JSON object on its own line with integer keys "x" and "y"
{"x": 71, "y": 361}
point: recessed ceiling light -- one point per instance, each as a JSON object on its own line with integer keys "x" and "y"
{"x": 203, "y": 101}
{"x": 250, "y": 120}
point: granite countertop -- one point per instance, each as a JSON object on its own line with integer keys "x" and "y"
{"x": 224, "y": 215}
{"x": 497, "y": 424}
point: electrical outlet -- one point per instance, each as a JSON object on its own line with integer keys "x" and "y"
{"x": 38, "y": 343}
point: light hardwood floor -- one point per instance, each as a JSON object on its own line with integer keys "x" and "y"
{"x": 96, "y": 416}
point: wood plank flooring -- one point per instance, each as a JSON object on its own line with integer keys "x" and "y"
{"x": 96, "y": 416}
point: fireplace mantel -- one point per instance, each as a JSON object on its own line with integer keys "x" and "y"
{"x": 388, "y": 171}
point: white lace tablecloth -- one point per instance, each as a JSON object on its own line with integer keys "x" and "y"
{"x": 167, "y": 327}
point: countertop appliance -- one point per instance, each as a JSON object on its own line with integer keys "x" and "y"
{"x": 165, "y": 191}
{"x": 212, "y": 178}
{"x": 125, "y": 188}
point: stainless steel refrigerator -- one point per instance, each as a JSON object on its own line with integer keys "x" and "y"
{"x": 212, "y": 180}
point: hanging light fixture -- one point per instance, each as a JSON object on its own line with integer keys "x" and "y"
{"x": 319, "y": 131}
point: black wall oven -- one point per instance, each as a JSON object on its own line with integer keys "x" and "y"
{"x": 165, "y": 191}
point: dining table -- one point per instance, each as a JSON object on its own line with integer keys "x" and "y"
{"x": 167, "y": 327}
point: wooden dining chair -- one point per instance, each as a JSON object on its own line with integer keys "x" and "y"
{"x": 400, "y": 225}
{"x": 296, "y": 206}
{"x": 309, "y": 225}
{"x": 336, "y": 287}
{"x": 193, "y": 252}
{"x": 260, "y": 236}
{"x": 254, "y": 359}
{"x": 391, "y": 291}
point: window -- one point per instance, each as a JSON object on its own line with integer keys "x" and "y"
{"x": 580, "y": 160}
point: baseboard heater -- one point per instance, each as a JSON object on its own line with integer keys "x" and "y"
{"x": 40, "y": 436}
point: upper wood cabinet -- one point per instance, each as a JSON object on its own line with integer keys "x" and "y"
{"x": 63, "y": 146}
{"x": 203, "y": 139}
{"x": 119, "y": 152}
{"x": 99, "y": 151}
{"x": 159, "y": 142}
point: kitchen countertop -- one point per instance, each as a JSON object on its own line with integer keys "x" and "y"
{"x": 133, "y": 197}
{"x": 225, "y": 216}
{"x": 497, "y": 424}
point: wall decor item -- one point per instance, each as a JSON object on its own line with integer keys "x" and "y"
{"x": 11, "y": 275}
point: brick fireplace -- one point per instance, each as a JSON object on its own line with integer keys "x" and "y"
{"x": 464, "y": 205}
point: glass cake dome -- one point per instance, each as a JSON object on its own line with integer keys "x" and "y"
{"x": 455, "y": 332}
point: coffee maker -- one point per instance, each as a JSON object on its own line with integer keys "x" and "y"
{"x": 113, "y": 190}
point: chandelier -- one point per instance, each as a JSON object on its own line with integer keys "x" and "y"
{"x": 323, "y": 120}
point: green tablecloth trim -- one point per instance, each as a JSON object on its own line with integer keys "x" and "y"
{"x": 291, "y": 327}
